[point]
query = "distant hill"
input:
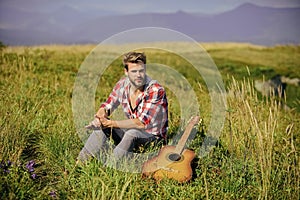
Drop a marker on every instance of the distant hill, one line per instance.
(246, 23)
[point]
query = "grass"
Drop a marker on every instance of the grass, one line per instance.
(257, 156)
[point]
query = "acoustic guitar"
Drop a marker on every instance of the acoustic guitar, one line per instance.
(173, 162)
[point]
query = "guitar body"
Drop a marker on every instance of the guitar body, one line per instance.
(168, 164)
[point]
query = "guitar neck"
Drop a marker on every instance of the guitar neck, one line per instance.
(181, 144)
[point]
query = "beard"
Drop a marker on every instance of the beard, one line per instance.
(138, 82)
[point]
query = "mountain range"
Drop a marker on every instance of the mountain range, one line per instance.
(246, 23)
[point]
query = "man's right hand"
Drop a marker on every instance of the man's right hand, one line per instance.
(95, 124)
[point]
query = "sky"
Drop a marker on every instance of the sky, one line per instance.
(140, 6)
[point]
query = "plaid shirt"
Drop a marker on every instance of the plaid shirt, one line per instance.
(151, 105)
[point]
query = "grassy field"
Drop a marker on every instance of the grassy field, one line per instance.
(257, 156)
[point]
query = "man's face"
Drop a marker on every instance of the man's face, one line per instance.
(136, 74)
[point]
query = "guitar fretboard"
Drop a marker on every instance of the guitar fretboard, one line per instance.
(180, 146)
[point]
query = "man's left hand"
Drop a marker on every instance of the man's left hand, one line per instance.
(106, 122)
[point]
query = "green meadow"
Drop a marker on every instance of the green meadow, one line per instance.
(256, 157)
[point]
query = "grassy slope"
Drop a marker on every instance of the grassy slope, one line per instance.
(257, 156)
(263, 63)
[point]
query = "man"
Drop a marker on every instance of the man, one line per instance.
(145, 105)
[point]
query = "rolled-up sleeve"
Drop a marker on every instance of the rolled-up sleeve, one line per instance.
(113, 100)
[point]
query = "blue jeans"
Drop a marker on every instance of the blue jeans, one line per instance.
(125, 141)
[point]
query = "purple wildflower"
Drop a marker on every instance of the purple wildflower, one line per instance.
(31, 169)
(30, 166)
(52, 194)
(33, 176)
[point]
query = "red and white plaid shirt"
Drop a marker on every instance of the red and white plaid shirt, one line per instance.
(151, 105)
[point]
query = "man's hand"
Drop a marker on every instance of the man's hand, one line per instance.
(102, 121)
(105, 121)
(102, 113)
(95, 124)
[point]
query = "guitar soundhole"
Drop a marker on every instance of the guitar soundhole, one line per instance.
(174, 157)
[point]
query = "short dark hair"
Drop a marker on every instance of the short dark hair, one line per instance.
(133, 57)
